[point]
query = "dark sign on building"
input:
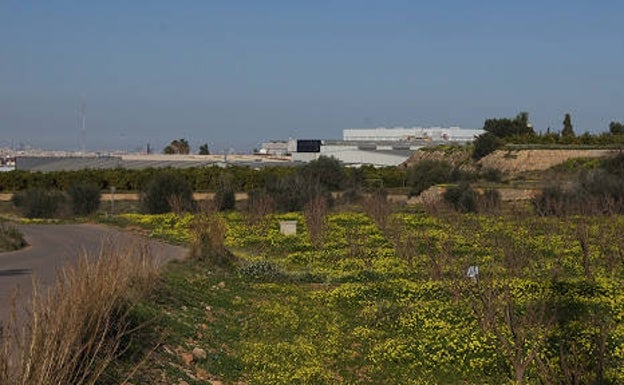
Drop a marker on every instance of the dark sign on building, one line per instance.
(308, 145)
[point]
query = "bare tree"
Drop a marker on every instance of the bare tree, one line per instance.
(405, 241)
(583, 238)
(378, 208)
(259, 205)
(315, 212)
(519, 330)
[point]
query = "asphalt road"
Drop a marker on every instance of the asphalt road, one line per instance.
(53, 246)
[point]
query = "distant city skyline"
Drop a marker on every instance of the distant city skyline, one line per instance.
(236, 74)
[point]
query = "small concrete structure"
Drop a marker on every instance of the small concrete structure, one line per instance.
(288, 227)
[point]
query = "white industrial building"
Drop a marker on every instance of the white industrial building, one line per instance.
(357, 154)
(378, 146)
(402, 134)
(276, 148)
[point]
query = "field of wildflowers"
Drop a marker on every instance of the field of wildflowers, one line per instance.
(394, 305)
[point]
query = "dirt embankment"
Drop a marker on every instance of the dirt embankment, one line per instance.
(514, 162)
(456, 156)
(510, 162)
(106, 197)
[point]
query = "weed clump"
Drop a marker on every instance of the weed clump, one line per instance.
(10, 238)
(208, 240)
(262, 271)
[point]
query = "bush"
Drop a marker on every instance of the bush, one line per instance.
(614, 165)
(163, 189)
(492, 175)
(463, 198)
(292, 192)
(459, 175)
(427, 173)
(551, 201)
(225, 198)
(326, 172)
(491, 200)
(38, 203)
(594, 193)
(486, 144)
(84, 199)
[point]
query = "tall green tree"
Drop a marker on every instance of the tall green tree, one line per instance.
(177, 146)
(506, 127)
(204, 150)
(567, 126)
(427, 173)
(498, 130)
(616, 128)
(486, 144)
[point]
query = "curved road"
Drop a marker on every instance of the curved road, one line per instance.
(53, 246)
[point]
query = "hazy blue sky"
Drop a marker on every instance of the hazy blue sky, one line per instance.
(234, 73)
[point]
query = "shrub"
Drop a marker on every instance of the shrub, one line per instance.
(38, 203)
(324, 171)
(225, 198)
(292, 192)
(84, 198)
(594, 192)
(553, 200)
(427, 173)
(492, 175)
(462, 198)
(490, 200)
(163, 189)
(604, 189)
(614, 165)
(486, 144)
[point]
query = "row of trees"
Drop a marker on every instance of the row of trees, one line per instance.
(519, 130)
(242, 178)
(181, 146)
(169, 191)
